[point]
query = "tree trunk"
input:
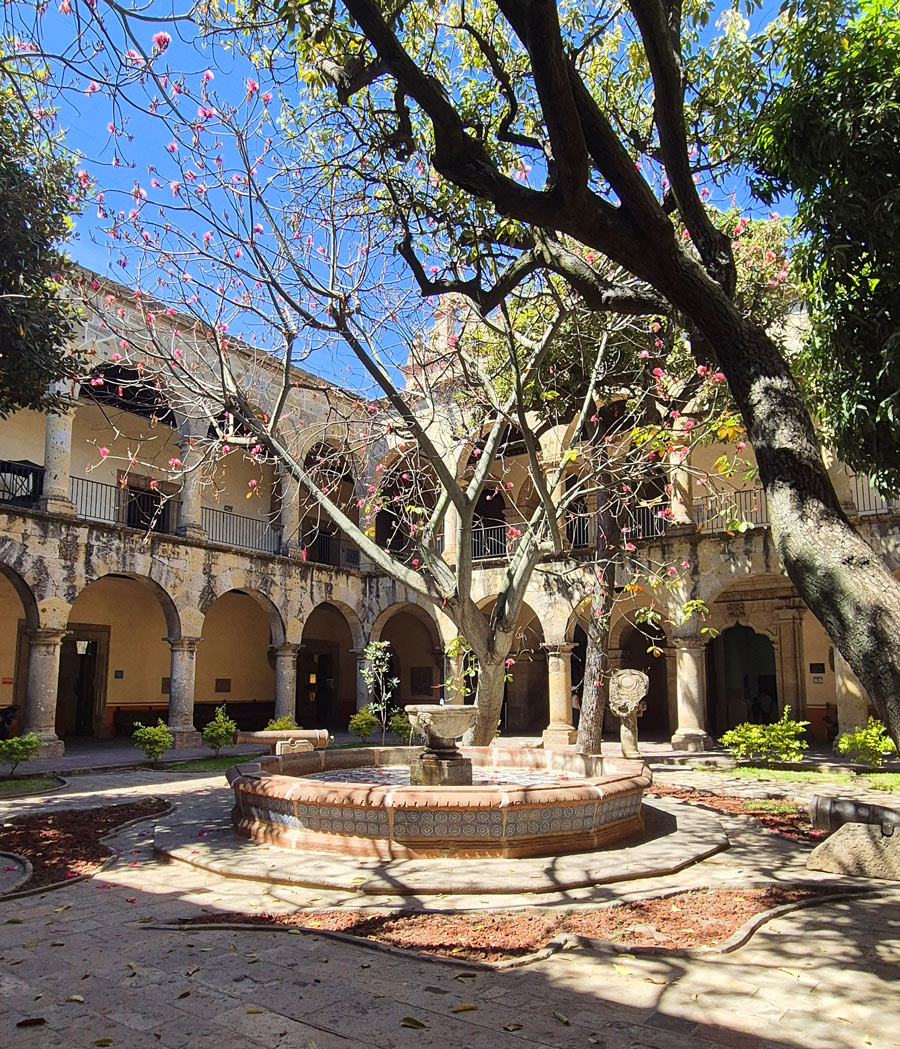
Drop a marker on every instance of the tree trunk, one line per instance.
(595, 694)
(848, 587)
(489, 700)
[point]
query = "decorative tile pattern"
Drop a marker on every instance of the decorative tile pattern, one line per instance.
(448, 823)
(522, 823)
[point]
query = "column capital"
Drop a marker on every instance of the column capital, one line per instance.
(689, 642)
(285, 650)
(789, 613)
(558, 648)
(183, 644)
(46, 635)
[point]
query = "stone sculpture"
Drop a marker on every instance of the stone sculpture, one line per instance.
(627, 689)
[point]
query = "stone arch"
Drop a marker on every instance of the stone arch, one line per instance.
(165, 600)
(742, 672)
(270, 610)
(25, 595)
(327, 665)
(416, 651)
(526, 697)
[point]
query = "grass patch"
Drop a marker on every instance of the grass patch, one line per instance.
(22, 784)
(211, 764)
(779, 808)
(887, 781)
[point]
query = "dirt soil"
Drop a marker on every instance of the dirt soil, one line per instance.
(67, 844)
(793, 823)
(694, 918)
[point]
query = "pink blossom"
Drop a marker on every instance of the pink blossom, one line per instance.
(207, 76)
(252, 87)
(510, 662)
(174, 463)
(718, 377)
(658, 372)
(251, 483)
(161, 41)
(104, 452)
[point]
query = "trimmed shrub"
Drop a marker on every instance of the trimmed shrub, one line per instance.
(868, 745)
(18, 749)
(281, 724)
(220, 731)
(153, 740)
(401, 727)
(782, 740)
(363, 724)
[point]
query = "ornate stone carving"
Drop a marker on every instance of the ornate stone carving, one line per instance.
(627, 689)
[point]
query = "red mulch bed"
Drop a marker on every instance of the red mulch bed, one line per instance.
(792, 824)
(66, 844)
(694, 918)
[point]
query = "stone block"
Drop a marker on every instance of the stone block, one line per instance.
(859, 850)
(430, 771)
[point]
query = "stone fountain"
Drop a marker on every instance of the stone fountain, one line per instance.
(440, 764)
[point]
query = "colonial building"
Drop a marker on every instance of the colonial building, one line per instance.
(124, 597)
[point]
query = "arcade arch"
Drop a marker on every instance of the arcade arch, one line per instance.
(417, 659)
(326, 669)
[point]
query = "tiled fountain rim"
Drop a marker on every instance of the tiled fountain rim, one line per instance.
(284, 776)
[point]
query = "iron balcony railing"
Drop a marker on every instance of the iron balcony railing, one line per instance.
(21, 483)
(490, 541)
(247, 533)
(725, 511)
(870, 501)
(134, 507)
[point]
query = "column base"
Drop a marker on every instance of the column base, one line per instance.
(192, 531)
(559, 735)
(693, 741)
(185, 738)
(51, 746)
(53, 505)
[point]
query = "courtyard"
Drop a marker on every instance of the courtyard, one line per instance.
(101, 961)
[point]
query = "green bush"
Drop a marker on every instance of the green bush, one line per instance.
(868, 745)
(220, 731)
(18, 749)
(281, 724)
(782, 740)
(363, 723)
(153, 740)
(400, 725)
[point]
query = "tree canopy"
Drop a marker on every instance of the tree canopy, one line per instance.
(39, 191)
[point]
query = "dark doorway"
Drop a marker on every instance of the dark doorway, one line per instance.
(317, 705)
(82, 682)
(741, 682)
(639, 647)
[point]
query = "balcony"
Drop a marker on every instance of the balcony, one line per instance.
(869, 501)
(20, 483)
(247, 533)
(142, 508)
(725, 511)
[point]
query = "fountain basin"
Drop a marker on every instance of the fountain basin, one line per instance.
(276, 802)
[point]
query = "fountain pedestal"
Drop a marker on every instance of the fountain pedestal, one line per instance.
(440, 764)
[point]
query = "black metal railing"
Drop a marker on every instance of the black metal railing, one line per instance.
(726, 511)
(869, 501)
(248, 533)
(94, 500)
(490, 541)
(21, 483)
(578, 531)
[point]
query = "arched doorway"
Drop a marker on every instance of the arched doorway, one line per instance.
(114, 662)
(526, 699)
(326, 671)
(415, 646)
(741, 681)
(636, 643)
(18, 613)
(242, 675)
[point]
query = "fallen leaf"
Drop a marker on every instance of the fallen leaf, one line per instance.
(465, 976)
(13, 921)
(411, 1021)
(100, 1042)
(465, 1007)
(512, 1027)
(254, 1012)
(184, 994)
(621, 970)
(64, 907)
(75, 998)
(562, 1019)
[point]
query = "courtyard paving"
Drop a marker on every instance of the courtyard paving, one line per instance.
(91, 962)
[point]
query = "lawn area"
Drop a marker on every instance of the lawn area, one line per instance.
(211, 764)
(875, 780)
(10, 785)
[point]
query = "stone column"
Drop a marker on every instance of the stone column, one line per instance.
(58, 458)
(289, 515)
(285, 680)
(681, 500)
(45, 644)
(560, 731)
(852, 698)
(789, 661)
(362, 689)
(690, 668)
(181, 691)
(190, 516)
